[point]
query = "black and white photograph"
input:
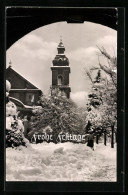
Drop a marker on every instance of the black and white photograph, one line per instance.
(61, 96)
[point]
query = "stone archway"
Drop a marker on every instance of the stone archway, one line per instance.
(21, 21)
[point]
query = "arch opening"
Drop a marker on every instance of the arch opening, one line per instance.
(60, 80)
(37, 50)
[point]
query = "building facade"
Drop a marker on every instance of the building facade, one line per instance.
(21, 89)
(60, 71)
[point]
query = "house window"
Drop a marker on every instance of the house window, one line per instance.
(30, 98)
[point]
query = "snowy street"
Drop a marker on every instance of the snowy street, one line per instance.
(61, 162)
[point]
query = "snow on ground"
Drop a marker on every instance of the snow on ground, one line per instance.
(61, 162)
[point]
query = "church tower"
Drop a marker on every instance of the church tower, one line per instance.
(61, 70)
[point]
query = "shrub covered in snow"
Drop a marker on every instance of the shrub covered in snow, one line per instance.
(60, 114)
(14, 126)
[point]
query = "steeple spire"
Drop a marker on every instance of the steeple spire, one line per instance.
(10, 64)
(61, 38)
(61, 59)
(61, 48)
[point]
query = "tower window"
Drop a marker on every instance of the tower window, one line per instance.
(60, 80)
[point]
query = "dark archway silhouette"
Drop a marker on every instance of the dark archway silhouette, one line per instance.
(21, 21)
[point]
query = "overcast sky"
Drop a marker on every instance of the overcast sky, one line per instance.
(32, 55)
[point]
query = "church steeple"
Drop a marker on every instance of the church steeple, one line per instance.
(61, 48)
(61, 70)
(60, 59)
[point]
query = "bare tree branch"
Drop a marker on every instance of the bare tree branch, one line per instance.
(110, 72)
(89, 75)
(104, 52)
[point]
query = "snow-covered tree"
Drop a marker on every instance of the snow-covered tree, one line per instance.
(109, 95)
(93, 119)
(59, 113)
(102, 104)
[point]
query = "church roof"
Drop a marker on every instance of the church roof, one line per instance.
(10, 69)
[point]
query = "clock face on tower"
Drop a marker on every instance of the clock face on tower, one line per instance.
(61, 70)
